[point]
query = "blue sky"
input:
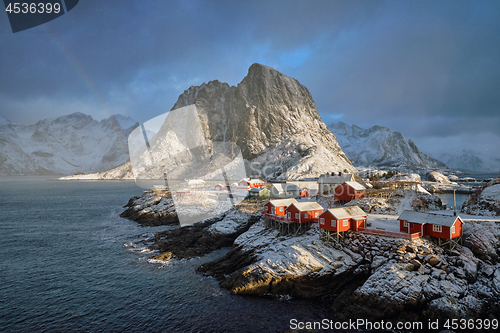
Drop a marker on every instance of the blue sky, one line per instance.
(428, 69)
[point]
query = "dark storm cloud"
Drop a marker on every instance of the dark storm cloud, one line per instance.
(416, 61)
(422, 68)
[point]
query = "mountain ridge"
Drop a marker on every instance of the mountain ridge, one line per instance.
(67, 144)
(378, 146)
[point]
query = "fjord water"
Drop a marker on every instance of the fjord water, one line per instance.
(67, 265)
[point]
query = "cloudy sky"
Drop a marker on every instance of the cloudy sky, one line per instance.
(428, 69)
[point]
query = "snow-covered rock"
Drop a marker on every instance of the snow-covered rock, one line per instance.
(380, 147)
(437, 177)
(485, 202)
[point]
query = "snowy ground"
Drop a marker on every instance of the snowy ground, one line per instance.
(383, 222)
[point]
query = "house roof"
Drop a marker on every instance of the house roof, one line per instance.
(347, 212)
(282, 202)
(283, 187)
(355, 185)
(308, 205)
(304, 184)
(422, 218)
(258, 189)
(347, 177)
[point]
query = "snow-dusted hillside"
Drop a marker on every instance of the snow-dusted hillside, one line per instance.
(380, 147)
(485, 202)
(271, 117)
(471, 161)
(65, 145)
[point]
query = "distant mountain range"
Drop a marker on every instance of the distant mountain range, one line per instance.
(380, 147)
(471, 161)
(64, 145)
(270, 116)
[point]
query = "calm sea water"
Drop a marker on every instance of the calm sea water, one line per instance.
(67, 266)
(447, 198)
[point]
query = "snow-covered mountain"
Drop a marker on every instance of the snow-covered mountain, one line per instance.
(273, 120)
(4, 121)
(64, 145)
(379, 147)
(471, 161)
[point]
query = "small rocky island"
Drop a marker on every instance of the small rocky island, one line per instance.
(365, 276)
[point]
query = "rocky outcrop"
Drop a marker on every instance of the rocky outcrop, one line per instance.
(367, 277)
(437, 177)
(201, 238)
(153, 208)
(485, 201)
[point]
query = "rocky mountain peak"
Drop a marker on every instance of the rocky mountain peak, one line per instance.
(266, 110)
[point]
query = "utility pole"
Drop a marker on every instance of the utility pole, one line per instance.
(454, 204)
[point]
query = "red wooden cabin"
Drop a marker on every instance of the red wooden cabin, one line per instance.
(304, 212)
(349, 191)
(221, 187)
(250, 183)
(182, 193)
(343, 219)
(278, 206)
(428, 224)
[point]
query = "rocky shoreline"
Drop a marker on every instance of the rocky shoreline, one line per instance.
(367, 276)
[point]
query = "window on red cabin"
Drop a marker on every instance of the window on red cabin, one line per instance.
(289, 215)
(334, 223)
(316, 214)
(453, 229)
(436, 228)
(405, 224)
(297, 215)
(306, 216)
(322, 220)
(267, 208)
(345, 223)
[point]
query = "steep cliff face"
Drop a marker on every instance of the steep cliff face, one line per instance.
(378, 146)
(274, 121)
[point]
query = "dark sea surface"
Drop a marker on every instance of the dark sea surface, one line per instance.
(447, 198)
(68, 264)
